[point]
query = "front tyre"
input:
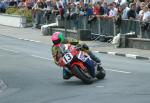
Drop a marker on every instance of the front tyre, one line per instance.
(87, 79)
(101, 73)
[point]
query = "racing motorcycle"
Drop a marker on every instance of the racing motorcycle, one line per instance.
(80, 64)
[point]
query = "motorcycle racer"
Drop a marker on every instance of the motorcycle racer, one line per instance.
(58, 39)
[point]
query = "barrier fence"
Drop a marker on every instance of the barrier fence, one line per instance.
(107, 27)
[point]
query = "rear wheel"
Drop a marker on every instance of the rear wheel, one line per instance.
(85, 77)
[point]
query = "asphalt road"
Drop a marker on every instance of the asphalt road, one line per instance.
(30, 76)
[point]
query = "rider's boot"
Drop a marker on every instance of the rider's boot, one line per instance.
(66, 74)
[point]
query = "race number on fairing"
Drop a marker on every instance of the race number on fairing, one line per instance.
(67, 58)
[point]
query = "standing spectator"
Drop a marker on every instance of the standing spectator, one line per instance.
(101, 11)
(28, 4)
(54, 8)
(21, 4)
(72, 11)
(38, 8)
(125, 11)
(146, 20)
(141, 12)
(6, 3)
(13, 3)
(106, 9)
(90, 10)
(2, 7)
(60, 7)
(96, 9)
(59, 3)
(113, 11)
(132, 12)
(146, 14)
(119, 19)
(138, 7)
(48, 11)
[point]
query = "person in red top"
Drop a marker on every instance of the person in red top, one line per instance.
(96, 9)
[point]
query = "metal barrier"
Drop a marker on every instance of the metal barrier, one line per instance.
(107, 27)
(140, 29)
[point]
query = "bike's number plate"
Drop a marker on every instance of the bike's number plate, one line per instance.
(67, 58)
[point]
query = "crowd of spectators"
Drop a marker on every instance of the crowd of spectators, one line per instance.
(119, 9)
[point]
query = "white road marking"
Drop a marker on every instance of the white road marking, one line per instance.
(112, 53)
(99, 86)
(29, 40)
(10, 50)
(20, 38)
(131, 56)
(118, 71)
(96, 51)
(36, 56)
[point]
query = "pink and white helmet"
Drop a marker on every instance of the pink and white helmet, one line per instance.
(57, 38)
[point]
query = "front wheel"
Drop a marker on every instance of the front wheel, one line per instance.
(85, 77)
(101, 73)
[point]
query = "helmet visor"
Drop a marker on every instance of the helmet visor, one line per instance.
(56, 42)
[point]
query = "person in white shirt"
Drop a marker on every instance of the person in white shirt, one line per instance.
(146, 15)
(113, 11)
(125, 11)
(146, 20)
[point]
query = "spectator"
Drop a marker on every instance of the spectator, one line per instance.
(60, 7)
(118, 19)
(142, 5)
(21, 4)
(28, 4)
(72, 12)
(101, 8)
(106, 9)
(85, 8)
(59, 3)
(48, 11)
(2, 7)
(90, 10)
(125, 11)
(146, 14)
(113, 11)
(13, 3)
(38, 8)
(132, 12)
(6, 3)
(146, 18)
(138, 6)
(54, 8)
(78, 8)
(96, 9)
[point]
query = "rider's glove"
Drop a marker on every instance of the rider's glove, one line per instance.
(85, 46)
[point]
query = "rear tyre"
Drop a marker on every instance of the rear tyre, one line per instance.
(85, 77)
(101, 73)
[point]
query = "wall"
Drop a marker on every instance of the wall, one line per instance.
(139, 43)
(15, 21)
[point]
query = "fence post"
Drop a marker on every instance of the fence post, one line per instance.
(99, 27)
(140, 30)
(84, 22)
(114, 27)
